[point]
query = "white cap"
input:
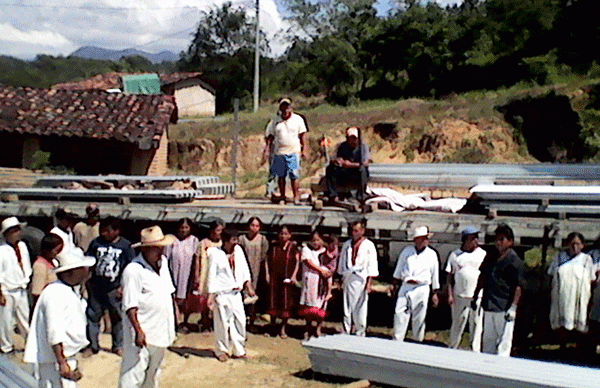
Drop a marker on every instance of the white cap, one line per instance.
(352, 131)
(11, 222)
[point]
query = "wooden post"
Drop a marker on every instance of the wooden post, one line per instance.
(234, 151)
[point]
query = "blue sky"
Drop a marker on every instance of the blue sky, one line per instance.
(59, 27)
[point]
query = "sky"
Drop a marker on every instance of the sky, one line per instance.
(59, 27)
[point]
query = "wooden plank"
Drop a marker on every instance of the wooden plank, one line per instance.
(409, 365)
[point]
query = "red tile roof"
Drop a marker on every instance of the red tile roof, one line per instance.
(140, 119)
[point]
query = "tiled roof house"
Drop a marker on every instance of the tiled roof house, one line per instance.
(194, 94)
(90, 131)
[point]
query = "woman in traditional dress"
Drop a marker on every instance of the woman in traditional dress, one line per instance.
(572, 274)
(201, 274)
(280, 274)
(255, 246)
(315, 285)
(182, 256)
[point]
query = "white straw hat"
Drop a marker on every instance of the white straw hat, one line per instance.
(154, 237)
(71, 259)
(11, 222)
(421, 231)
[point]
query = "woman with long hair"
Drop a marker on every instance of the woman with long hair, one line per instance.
(215, 228)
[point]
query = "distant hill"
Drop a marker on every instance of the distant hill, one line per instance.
(93, 52)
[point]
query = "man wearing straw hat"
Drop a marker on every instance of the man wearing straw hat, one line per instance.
(15, 274)
(58, 323)
(149, 326)
(417, 269)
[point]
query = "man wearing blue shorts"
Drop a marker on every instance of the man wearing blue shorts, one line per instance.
(286, 137)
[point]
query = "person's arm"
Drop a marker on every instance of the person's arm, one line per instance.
(294, 276)
(478, 288)
(450, 287)
(140, 336)
(64, 369)
(304, 142)
(249, 288)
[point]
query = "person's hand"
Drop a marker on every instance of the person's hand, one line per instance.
(368, 288)
(435, 299)
(450, 299)
(250, 291)
(511, 313)
(64, 370)
(2, 300)
(140, 338)
(267, 279)
(265, 156)
(474, 304)
(119, 293)
(210, 302)
(325, 272)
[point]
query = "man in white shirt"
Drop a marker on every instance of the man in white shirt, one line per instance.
(286, 138)
(15, 274)
(149, 322)
(357, 266)
(84, 232)
(463, 271)
(58, 324)
(228, 275)
(65, 219)
(417, 269)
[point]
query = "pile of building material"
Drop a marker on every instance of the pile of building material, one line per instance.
(14, 377)
(404, 364)
(123, 188)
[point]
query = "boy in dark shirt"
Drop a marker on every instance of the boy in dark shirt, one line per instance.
(501, 279)
(112, 253)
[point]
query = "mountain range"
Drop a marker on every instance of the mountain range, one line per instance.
(93, 52)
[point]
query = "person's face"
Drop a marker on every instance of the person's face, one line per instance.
(215, 234)
(471, 243)
(284, 235)
(13, 235)
(230, 244)
(286, 111)
(254, 227)
(503, 243)
(357, 232)
(421, 242)
(353, 141)
(80, 275)
(184, 230)
(316, 241)
(575, 246)
(109, 234)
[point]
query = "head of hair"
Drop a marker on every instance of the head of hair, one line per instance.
(505, 230)
(49, 242)
(215, 224)
(574, 235)
(110, 222)
(254, 218)
(182, 221)
(227, 235)
(361, 222)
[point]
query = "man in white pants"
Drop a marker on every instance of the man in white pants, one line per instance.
(15, 274)
(357, 266)
(149, 322)
(228, 274)
(417, 269)
(463, 271)
(58, 324)
(502, 281)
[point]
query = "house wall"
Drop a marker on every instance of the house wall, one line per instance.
(193, 100)
(153, 161)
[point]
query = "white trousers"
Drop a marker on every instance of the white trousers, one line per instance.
(17, 306)
(229, 324)
(49, 377)
(355, 300)
(497, 333)
(140, 367)
(461, 312)
(411, 303)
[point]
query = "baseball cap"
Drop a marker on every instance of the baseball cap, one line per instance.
(352, 131)
(469, 230)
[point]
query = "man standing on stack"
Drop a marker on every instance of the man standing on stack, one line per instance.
(287, 135)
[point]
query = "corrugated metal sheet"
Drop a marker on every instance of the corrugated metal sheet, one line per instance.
(11, 376)
(141, 84)
(405, 364)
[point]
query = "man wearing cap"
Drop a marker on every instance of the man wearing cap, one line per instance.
(65, 219)
(84, 232)
(417, 269)
(462, 271)
(15, 274)
(286, 134)
(357, 266)
(149, 323)
(349, 167)
(58, 324)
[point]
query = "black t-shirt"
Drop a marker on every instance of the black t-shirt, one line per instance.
(111, 259)
(501, 278)
(346, 152)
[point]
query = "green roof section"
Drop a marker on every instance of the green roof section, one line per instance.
(141, 84)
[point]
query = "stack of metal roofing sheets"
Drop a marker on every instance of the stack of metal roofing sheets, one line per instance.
(405, 364)
(11, 376)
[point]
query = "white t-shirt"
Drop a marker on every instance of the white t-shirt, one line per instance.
(220, 276)
(465, 268)
(68, 242)
(286, 140)
(366, 260)
(151, 293)
(12, 276)
(58, 318)
(422, 268)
